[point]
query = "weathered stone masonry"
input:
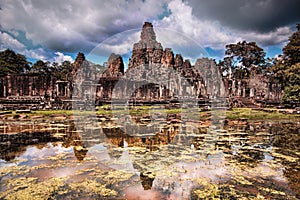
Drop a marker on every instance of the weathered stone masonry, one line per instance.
(204, 80)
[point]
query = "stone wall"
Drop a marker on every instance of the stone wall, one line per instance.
(27, 85)
(258, 87)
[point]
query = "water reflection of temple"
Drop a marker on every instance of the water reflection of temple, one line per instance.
(14, 145)
(245, 143)
(16, 139)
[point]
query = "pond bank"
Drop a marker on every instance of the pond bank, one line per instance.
(235, 113)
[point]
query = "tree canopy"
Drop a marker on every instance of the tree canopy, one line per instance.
(58, 71)
(287, 68)
(40, 67)
(12, 63)
(61, 71)
(292, 49)
(241, 57)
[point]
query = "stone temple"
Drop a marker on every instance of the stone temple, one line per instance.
(154, 74)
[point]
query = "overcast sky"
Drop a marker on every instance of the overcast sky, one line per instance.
(56, 30)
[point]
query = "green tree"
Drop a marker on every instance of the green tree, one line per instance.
(241, 57)
(292, 49)
(40, 67)
(286, 70)
(61, 71)
(226, 66)
(12, 63)
(292, 83)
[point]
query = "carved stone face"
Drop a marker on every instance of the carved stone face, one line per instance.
(178, 60)
(157, 54)
(168, 57)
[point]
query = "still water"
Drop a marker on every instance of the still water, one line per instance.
(92, 157)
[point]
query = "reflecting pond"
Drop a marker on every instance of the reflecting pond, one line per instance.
(92, 157)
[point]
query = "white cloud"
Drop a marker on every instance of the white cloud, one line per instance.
(72, 26)
(121, 43)
(76, 25)
(210, 33)
(60, 57)
(206, 33)
(278, 36)
(8, 41)
(39, 54)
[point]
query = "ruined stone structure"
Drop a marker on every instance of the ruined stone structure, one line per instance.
(115, 66)
(147, 50)
(27, 85)
(153, 74)
(257, 87)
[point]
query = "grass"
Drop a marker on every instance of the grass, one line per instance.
(234, 114)
(51, 112)
(251, 114)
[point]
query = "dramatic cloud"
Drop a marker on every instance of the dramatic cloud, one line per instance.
(8, 41)
(37, 54)
(205, 32)
(119, 44)
(210, 33)
(75, 25)
(278, 36)
(71, 26)
(253, 15)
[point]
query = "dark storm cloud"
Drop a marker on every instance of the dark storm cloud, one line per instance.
(72, 25)
(255, 15)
